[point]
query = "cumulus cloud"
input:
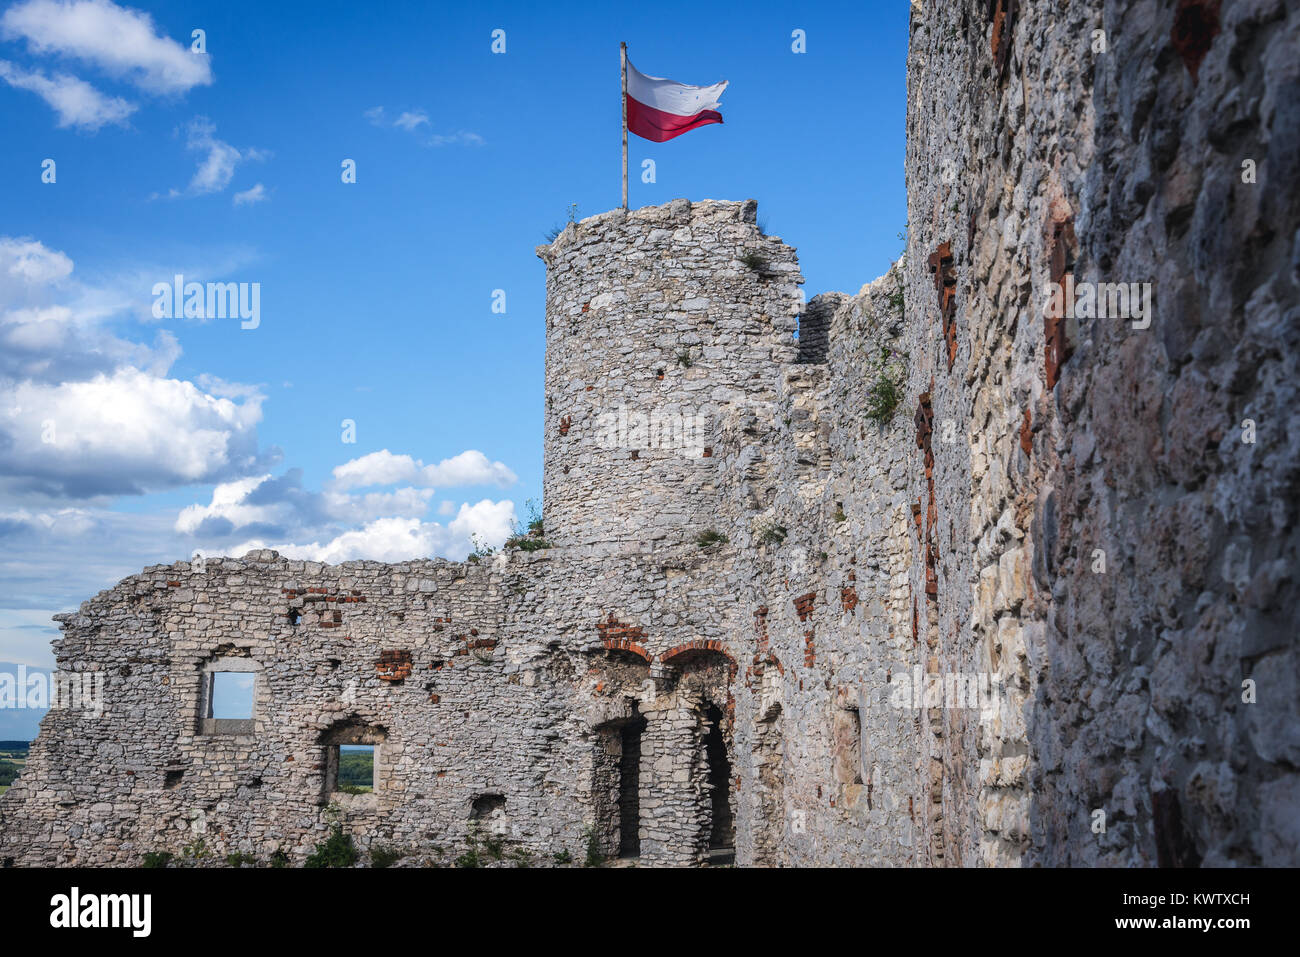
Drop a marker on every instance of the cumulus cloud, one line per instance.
(400, 539)
(470, 467)
(28, 262)
(128, 432)
(85, 413)
(279, 506)
(77, 104)
(118, 40)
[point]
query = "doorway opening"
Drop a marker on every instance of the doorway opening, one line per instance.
(629, 788)
(722, 828)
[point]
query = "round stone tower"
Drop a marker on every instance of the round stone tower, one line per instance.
(659, 322)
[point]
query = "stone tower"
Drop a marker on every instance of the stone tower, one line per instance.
(658, 322)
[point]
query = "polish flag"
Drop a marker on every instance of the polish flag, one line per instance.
(659, 109)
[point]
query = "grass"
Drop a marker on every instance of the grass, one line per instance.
(897, 300)
(553, 233)
(710, 537)
(529, 537)
(384, 856)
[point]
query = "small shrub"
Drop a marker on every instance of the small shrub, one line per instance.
(710, 537)
(471, 856)
(840, 516)
(195, 851)
(521, 857)
(772, 534)
(384, 856)
(495, 847)
(755, 261)
(279, 859)
(886, 390)
(594, 857)
(240, 859)
(337, 851)
(157, 859)
(563, 858)
(684, 359)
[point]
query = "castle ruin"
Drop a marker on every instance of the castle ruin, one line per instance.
(931, 582)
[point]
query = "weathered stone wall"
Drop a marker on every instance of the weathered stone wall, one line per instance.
(1080, 532)
(657, 321)
(1129, 559)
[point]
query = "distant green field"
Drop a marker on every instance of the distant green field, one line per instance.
(13, 755)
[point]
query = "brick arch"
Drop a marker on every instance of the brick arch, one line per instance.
(697, 646)
(628, 646)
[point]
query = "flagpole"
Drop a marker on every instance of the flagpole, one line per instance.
(622, 49)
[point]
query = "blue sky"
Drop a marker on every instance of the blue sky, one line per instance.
(175, 435)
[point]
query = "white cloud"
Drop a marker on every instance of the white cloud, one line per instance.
(121, 41)
(30, 262)
(470, 467)
(77, 103)
(127, 432)
(281, 506)
(400, 539)
(217, 168)
(85, 413)
(460, 138)
(412, 120)
(446, 507)
(256, 194)
(409, 121)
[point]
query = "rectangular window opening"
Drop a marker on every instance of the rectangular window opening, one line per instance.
(356, 768)
(231, 695)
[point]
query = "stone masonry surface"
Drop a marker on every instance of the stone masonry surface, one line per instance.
(929, 575)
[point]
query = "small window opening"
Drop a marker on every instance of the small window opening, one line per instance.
(232, 695)
(356, 765)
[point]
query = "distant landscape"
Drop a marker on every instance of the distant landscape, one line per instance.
(13, 755)
(356, 770)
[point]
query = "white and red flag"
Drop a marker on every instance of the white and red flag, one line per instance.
(659, 109)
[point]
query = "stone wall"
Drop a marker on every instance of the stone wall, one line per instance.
(656, 321)
(959, 576)
(1130, 547)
